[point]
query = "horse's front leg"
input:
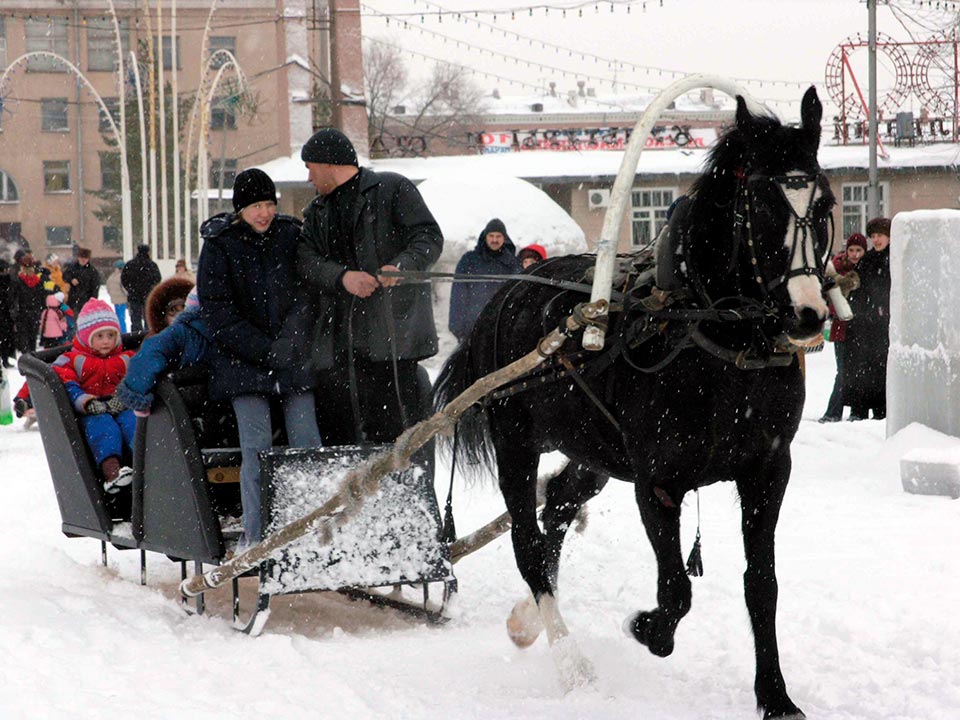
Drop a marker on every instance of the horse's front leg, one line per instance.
(661, 520)
(518, 482)
(760, 507)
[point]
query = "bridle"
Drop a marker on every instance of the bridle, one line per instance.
(804, 228)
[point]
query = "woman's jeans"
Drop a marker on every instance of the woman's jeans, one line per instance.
(256, 434)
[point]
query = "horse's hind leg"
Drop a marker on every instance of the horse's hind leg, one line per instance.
(518, 476)
(760, 508)
(661, 520)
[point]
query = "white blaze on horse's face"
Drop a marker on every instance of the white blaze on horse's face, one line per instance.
(805, 291)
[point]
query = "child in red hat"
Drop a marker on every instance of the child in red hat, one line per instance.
(531, 255)
(91, 372)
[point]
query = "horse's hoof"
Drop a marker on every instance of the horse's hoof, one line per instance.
(643, 627)
(524, 624)
(574, 668)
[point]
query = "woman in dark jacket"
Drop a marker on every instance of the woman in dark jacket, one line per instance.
(249, 299)
(868, 334)
(495, 254)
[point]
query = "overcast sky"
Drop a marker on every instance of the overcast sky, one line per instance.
(762, 42)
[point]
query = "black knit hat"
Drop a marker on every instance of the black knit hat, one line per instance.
(253, 186)
(329, 146)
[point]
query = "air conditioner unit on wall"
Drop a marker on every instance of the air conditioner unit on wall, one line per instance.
(598, 198)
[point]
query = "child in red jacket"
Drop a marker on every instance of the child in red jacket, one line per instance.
(91, 372)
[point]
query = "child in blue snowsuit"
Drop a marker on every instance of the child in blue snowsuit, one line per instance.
(185, 342)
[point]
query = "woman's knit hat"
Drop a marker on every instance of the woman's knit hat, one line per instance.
(253, 186)
(857, 239)
(96, 315)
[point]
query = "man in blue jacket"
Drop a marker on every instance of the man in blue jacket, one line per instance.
(495, 254)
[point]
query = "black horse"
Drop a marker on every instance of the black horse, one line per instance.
(695, 386)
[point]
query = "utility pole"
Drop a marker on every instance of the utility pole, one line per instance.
(873, 199)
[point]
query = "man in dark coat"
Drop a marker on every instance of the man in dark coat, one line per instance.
(7, 345)
(495, 254)
(868, 333)
(370, 329)
(138, 277)
(84, 281)
(27, 300)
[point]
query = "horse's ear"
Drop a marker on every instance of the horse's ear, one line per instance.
(811, 112)
(743, 115)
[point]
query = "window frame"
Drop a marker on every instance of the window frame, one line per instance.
(165, 52)
(6, 183)
(48, 175)
(653, 216)
(55, 39)
(854, 212)
(3, 41)
(113, 105)
(220, 41)
(100, 39)
(50, 234)
(52, 109)
(230, 165)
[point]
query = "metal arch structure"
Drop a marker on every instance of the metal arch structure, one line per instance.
(939, 54)
(850, 99)
(594, 336)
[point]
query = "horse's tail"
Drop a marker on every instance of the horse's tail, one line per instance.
(474, 450)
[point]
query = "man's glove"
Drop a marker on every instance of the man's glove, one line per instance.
(280, 356)
(95, 407)
(115, 405)
(20, 407)
(848, 283)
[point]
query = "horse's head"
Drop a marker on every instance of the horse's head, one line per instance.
(783, 209)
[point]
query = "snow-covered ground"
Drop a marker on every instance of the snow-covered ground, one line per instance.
(868, 618)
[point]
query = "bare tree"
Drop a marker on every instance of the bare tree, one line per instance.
(443, 107)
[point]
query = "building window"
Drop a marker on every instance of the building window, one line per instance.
(222, 116)
(221, 42)
(8, 190)
(113, 105)
(56, 176)
(649, 213)
(229, 173)
(109, 171)
(49, 35)
(59, 236)
(53, 115)
(111, 237)
(101, 43)
(854, 206)
(3, 42)
(167, 43)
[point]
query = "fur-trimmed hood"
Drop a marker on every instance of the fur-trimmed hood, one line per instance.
(158, 299)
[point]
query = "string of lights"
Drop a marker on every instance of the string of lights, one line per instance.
(613, 65)
(84, 22)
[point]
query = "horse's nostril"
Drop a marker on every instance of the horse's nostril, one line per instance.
(808, 317)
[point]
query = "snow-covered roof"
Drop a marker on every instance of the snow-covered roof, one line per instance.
(545, 164)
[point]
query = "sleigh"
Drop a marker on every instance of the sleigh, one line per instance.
(185, 491)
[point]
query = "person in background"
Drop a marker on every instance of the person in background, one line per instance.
(8, 346)
(258, 322)
(28, 301)
(54, 281)
(844, 263)
(495, 254)
(531, 255)
(83, 279)
(68, 316)
(53, 323)
(165, 302)
(182, 271)
(868, 333)
(91, 371)
(118, 296)
(139, 276)
(372, 331)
